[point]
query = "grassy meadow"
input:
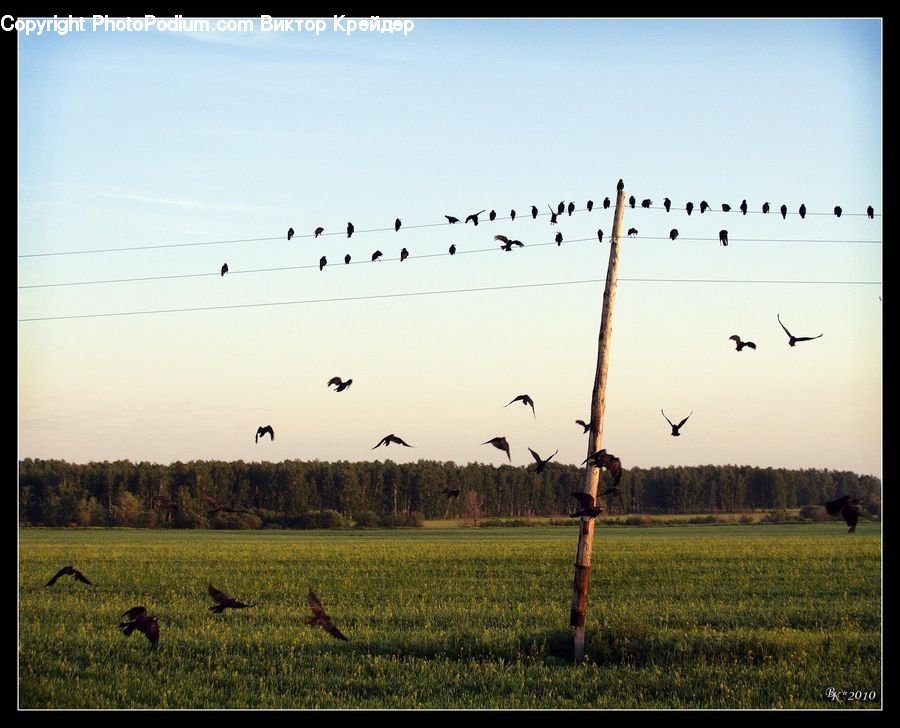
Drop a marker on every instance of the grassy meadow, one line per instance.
(678, 617)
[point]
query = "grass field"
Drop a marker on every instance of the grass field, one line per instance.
(678, 617)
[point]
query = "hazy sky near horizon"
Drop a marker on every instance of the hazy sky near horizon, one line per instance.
(131, 139)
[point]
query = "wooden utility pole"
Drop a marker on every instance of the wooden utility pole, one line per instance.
(595, 436)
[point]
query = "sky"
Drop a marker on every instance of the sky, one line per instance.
(177, 141)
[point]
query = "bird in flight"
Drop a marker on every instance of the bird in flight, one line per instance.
(322, 262)
(170, 507)
(452, 250)
(262, 431)
(376, 255)
(704, 206)
(599, 235)
(526, 400)
(590, 205)
(802, 212)
(632, 231)
(765, 208)
(512, 215)
(388, 439)
(585, 425)
(451, 493)
(675, 428)
(837, 211)
(397, 224)
(792, 340)
(321, 619)
(500, 443)
(350, 229)
(571, 208)
(723, 237)
(620, 186)
(605, 203)
(784, 212)
(347, 259)
(290, 233)
(224, 269)
(667, 203)
(744, 207)
(689, 207)
(673, 233)
(216, 506)
(602, 459)
(67, 571)
(552, 216)
(870, 211)
(404, 254)
(726, 207)
(558, 239)
(340, 385)
(224, 601)
(738, 344)
(507, 243)
(541, 464)
(632, 201)
(847, 508)
(534, 212)
(646, 203)
(318, 231)
(451, 219)
(474, 218)
(587, 508)
(492, 216)
(142, 622)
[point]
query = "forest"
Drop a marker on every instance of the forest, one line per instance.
(310, 494)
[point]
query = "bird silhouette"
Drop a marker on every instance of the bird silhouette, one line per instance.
(560, 208)
(388, 439)
(512, 215)
(224, 601)
(590, 205)
(541, 464)
(632, 201)
(585, 425)
(726, 207)
(404, 254)
(376, 255)
(474, 218)
(534, 212)
(321, 619)
(738, 344)
(704, 206)
(620, 186)
(452, 250)
(451, 493)
(262, 431)
(599, 235)
(571, 208)
(632, 231)
(451, 219)
(605, 203)
(397, 225)
(802, 212)
(347, 259)
(218, 507)
(602, 459)
(290, 233)
(558, 238)
(667, 203)
(646, 203)
(847, 507)
(723, 237)
(587, 507)
(837, 211)
(350, 229)
(553, 216)
(870, 211)
(744, 207)
(526, 400)
(492, 216)
(792, 340)
(67, 571)
(689, 207)
(224, 269)
(318, 231)
(507, 243)
(784, 212)
(322, 262)
(675, 428)
(673, 233)
(339, 385)
(500, 443)
(142, 622)
(765, 208)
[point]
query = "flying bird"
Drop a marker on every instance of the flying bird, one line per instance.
(290, 233)
(560, 208)
(784, 212)
(170, 507)
(534, 212)
(792, 340)
(347, 259)
(318, 231)
(632, 201)
(632, 231)
(388, 439)
(599, 235)
(322, 262)
(507, 243)
(837, 211)
(474, 218)
(587, 508)
(512, 215)
(452, 250)
(500, 443)
(404, 254)
(726, 207)
(218, 507)
(689, 207)
(667, 203)
(263, 431)
(558, 238)
(673, 233)
(320, 619)
(738, 344)
(675, 428)
(526, 400)
(340, 385)
(765, 208)
(493, 215)
(376, 255)
(620, 186)
(224, 269)
(451, 219)
(585, 425)
(142, 622)
(723, 237)
(590, 205)
(602, 459)
(553, 216)
(66, 571)
(847, 507)
(350, 229)
(571, 208)
(224, 601)
(744, 207)
(646, 203)
(802, 212)
(605, 203)
(704, 206)
(397, 225)
(870, 211)
(541, 464)
(451, 493)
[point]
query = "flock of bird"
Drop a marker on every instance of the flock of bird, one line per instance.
(140, 620)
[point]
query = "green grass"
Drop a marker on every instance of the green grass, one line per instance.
(678, 617)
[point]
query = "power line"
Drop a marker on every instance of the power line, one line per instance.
(434, 293)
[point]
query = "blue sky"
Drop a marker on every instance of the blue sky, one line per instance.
(137, 139)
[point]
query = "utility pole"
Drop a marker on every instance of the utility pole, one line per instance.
(595, 436)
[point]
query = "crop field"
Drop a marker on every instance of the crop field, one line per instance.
(678, 617)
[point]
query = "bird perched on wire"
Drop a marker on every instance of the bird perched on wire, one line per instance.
(599, 235)
(526, 400)
(605, 203)
(318, 231)
(512, 215)
(646, 203)
(339, 385)
(224, 601)
(689, 206)
(571, 208)
(452, 250)
(765, 208)
(744, 207)
(404, 254)
(704, 206)
(452, 220)
(870, 211)
(290, 233)
(620, 186)
(534, 212)
(784, 212)
(558, 239)
(673, 233)
(560, 208)
(322, 262)
(263, 431)
(632, 231)
(587, 507)
(723, 237)
(224, 269)
(347, 259)
(792, 340)
(69, 571)
(142, 622)
(474, 218)
(837, 211)
(541, 464)
(726, 207)
(552, 216)
(397, 225)
(500, 443)
(590, 205)
(847, 508)
(802, 212)
(667, 203)
(388, 439)
(585, 425)
(676, 428)
(350, 229)
(738, 344)
(632, 201)
(321, 619)
(507, 243)
(492, 215)
(376, 255)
